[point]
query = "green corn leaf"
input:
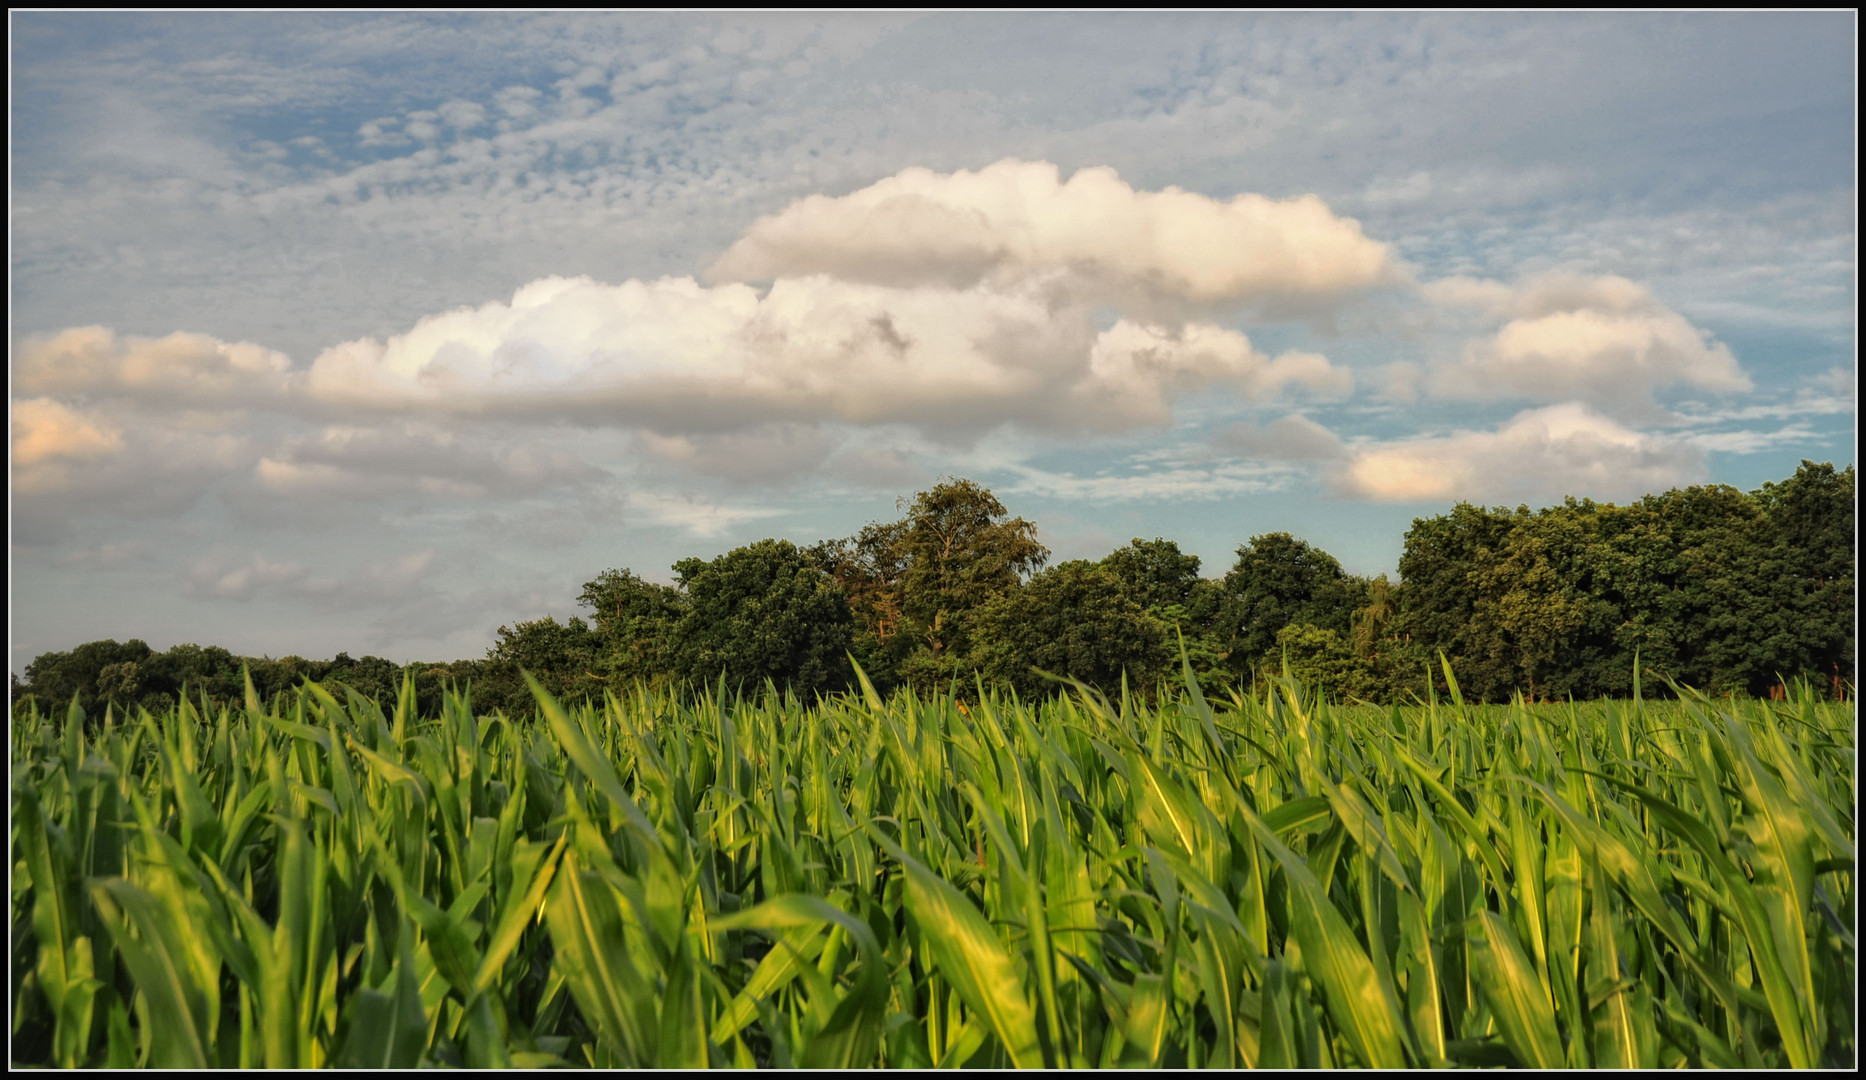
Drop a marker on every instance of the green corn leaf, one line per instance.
(1354, 995)
(1510, 985)
(970, 956)
(152, 950)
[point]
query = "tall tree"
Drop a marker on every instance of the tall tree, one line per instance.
(1075, 619)
(764, 611)
(1154, 573)
(916, 585)
(961, 548)
(634, 622)
(1812, 518)
(1280, 581)
(1441, 597)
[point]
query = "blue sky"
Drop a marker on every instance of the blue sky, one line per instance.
(375, 332)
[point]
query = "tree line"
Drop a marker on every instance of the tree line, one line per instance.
(1716, 588)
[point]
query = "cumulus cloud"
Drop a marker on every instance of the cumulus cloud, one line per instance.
(46, 431)
(678, 358)
(180, 369)
(1017, 219)
(1134, 369)
(1604, 340)
(71, 460)
(1566, 449)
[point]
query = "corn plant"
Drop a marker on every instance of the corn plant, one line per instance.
(658, 880)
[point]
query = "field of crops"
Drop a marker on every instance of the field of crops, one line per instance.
(320, 880)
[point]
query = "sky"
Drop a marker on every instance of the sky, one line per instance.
(374, 333)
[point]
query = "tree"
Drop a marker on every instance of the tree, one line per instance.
(1324, 660)
(371, 676)
(1812, 518)
(634, 621)
(1165, 582)
(1154, 573)
(1441, 597)
(765, 611)
(960, 549)
(559, 655)
(916, 585)
(1076, 619)
(1280, 581)
(870, 567)
(55, 678)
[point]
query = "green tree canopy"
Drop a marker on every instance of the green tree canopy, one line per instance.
(961, 549)
(1279, 581)
(1076, 618)
(562, 656)
(916, 585)
(634, 622)
(1154, 573)
(765, 611)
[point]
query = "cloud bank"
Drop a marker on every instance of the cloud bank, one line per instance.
(941, 305)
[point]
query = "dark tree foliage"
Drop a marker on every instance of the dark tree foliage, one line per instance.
(57, 677)
(1710, 586)
(1155, 574)
(962, 549)
(869, 566)
(916, 585)
(1075, 618)
(1815, 531)
(131, 675)
(766, 611)
(633, 620)
(561, 656)
(1280, 581)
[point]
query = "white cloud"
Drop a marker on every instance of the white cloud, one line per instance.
(354, 462)
(701, 517)
(230, 576)
(1604, 340)
(1750, 442)
(1399, 382)
(1134, 369)
(1017, 219)
(1842, 383)
(70, 461)
(180, 369)
(1170, 479)
(1566, 449)
(678, 358)
(46, 431)
(767, 453)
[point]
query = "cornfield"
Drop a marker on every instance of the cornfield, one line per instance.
(658, 880)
